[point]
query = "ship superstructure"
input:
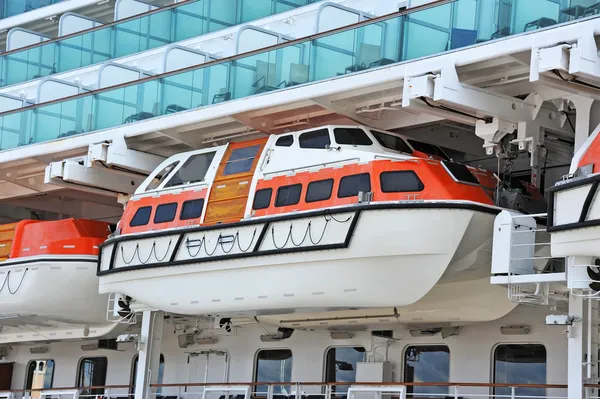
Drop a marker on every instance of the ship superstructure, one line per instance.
(298, 198)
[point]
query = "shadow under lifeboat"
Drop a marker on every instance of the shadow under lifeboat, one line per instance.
(332, 218)
(48, 282)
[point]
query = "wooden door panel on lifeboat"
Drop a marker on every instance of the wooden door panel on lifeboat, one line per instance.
(7, 234)
(231, 187)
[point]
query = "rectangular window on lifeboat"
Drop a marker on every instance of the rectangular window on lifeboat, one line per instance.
(141, 217)
(400, 181)
(165, 212)
(288, 195)
(241, 160)
(193, 170)
(460, 173)
(351, 185)
(192, 209)
(319, 190)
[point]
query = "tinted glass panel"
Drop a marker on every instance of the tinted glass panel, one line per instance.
(520, 364)
(165, 212)
(192, 209)
(351, 185)
(351, 136)
(427, 364)
(429, 149)
(161, 176)
(141, 217)
(460, 173)
(316, 139)
(160, 376)
(241, 160)
(193, 170)
(92, 373)
(40, 374)
(262, 198)
(392, 142)
(319, 190)
(288, 195)
(400, 181)
(273, 365)
(340, 365)
(285, 141)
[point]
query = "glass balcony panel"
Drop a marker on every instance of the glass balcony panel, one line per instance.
(223, 14)
(15, 7)
(190, 20)
(425, 32)
(531, 15)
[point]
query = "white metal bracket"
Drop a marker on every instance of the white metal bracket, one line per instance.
(115, 153)
(492, 132)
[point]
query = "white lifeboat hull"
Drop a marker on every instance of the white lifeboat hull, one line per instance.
(376, 255)
(61, 288)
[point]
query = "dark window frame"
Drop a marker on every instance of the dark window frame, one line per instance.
(97, 391)
(306, 196)
(405, 366)
(330, 372)
(133, 374)
(29, 378)
(256, 361)
(270, 190)
(289, 186)
(163, 206)
(349, 176)
(136, 213)
(186, 164)
(282, 139)
(365, 136)
(239, 161)
(181, 215)
(314, 132)
(519, 391)
(389, 172)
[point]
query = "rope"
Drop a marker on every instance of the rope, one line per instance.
(6, 282)
(308, 232)
(236, 239)
(152, 251)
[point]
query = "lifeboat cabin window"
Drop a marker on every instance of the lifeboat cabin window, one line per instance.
(92, 373)
(520, 364)
(165, 212)
(40, 374)
(285, 141)
(340, 365)
(428, 149)
(161, 176)
(390, 142)
(262, 198)
(316, 139)
(141, 217)
(351, 185)
(193, 170)
(241, 160)
(400, 182)
(319, 190)
(288, 195)
(192, 209)
(159, 377)
(427, 363)
(351, 136)
(460, 173)
(273, 366)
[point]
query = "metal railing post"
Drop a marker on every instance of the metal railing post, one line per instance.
(456, 392)
(512, 392)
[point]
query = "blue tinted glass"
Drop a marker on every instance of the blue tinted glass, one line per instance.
(427, 364)
(192, 209)
(141, 217)
(165, 212)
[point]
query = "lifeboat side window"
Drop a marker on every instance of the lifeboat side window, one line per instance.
(316, 139)
(161, 176)
(400, 181)
(460, 173)
(165, 212)
(288, 195)
(351, 185)
(520, 364)
(351, 136)
(319, 190)
(391, 142)
(428, 149)
(427, 363)
(141, 217)
(262, 199)
(192, 209)
(285, 141)
(193, 170)
(241, 160)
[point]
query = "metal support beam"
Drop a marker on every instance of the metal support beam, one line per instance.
(584, 60)
(530, 136)
(115, 153)
(345, 110)
(575, 357)
(149, 353)
(492, 132)
(583, 106)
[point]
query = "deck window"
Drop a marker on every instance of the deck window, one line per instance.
(193, 170)
(392, 142)
(520, 364)
(288, 195)
(161, 176)
(40, 374)
(241, 160)
(192, 209)
(285, 141)
(340, 365)
(141, 217)
(316, 139)
(273, 366)
(351, 136)
(460, 173)
(319, 190)
(165, 212)
(92, 373)
(262, 198)
(400, 181)
(161, 372)
(427, 363)
(351, 185)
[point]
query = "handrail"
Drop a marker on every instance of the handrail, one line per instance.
(99, 27)
(234, 57)
(415, 384)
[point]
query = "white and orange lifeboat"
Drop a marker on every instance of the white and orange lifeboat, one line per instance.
(48, 282)
(335, 217)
